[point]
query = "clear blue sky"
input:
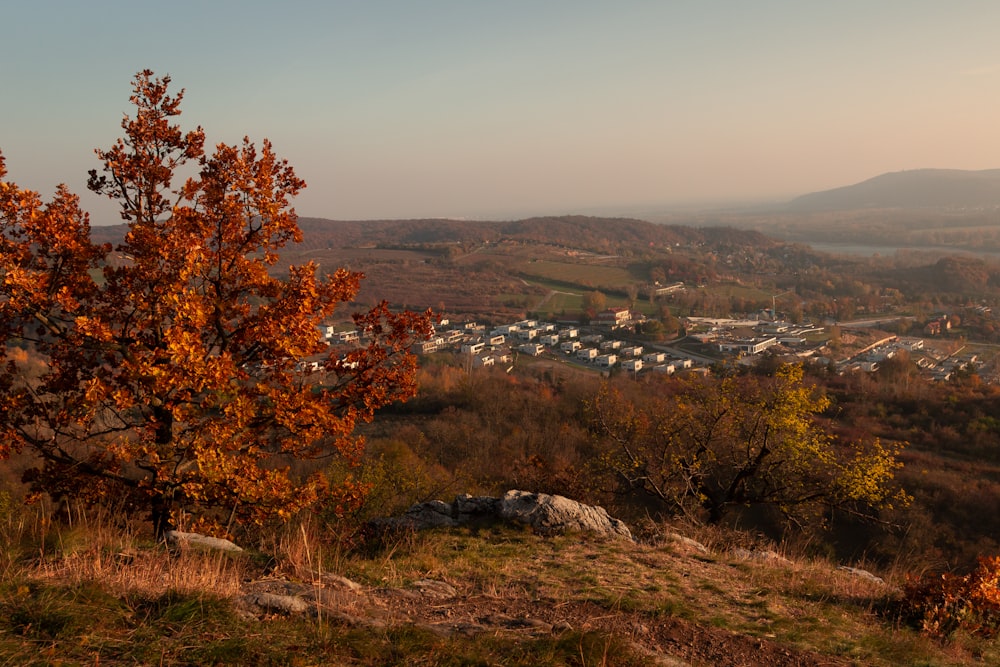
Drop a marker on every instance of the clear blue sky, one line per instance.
(466, 108)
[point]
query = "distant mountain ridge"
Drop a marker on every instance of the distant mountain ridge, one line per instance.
(917, 188)
(594, 233)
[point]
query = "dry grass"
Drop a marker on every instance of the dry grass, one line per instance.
(93, 547)
(102, 581)
(804, 603)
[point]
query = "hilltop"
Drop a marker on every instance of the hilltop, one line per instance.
(917, 188)
(486, 595)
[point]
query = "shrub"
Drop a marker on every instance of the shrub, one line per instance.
(942, 604)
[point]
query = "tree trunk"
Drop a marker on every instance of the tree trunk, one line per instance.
(160, 515)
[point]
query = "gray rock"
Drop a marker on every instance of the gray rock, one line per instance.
(288, 604)
(474, 508)
(688, 542)
(337, 581)
(863, 574)
(176, 538)
(557, 514)
(433, 514)
(433, 588)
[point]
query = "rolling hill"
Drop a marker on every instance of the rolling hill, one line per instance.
(919, 188)
(593, 233)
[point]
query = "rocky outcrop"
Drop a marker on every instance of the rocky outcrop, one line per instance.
(556, 514)
(433, 514)
(545, 513)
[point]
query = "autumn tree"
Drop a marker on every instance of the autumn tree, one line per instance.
(671, 324)
(594, 302)
(172, 362)
(632, 292)
(702, 447)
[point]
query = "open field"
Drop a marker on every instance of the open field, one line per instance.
(585, 275)
(556, 302)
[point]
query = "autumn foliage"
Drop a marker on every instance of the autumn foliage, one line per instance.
(943, 604)
(703, 447)
(171, 373)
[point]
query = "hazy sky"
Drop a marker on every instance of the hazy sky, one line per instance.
(487, 109)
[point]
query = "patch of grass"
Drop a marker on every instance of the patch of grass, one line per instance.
(423, 647)
(711, 587)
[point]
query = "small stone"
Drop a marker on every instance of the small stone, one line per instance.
(337, 581)
(288, 604)
(177, 538)
(688, 542)
(435, 589)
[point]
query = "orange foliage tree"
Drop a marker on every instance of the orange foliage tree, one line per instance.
(172, 375)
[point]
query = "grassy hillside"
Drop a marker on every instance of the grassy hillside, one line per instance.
(97, 593)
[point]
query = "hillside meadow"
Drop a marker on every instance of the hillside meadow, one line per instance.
(97, 592)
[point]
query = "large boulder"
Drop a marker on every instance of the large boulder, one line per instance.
(433, 514)
(470, 509)
(556, 514)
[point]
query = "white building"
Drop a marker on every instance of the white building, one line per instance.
(911, 344)
(483, 361)
(473, 348)
(606, 360)
(749, 346)
(425, 347)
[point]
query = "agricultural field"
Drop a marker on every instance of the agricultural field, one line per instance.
(595, 276)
